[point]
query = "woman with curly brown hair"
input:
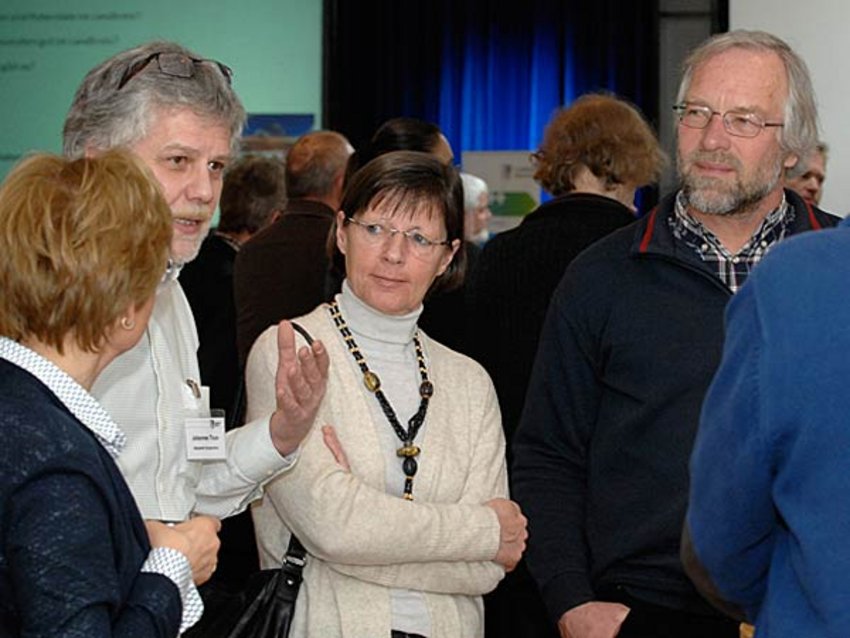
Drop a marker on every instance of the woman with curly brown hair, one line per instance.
(595, 154)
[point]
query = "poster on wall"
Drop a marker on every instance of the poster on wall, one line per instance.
(510, 180)
(273, 134)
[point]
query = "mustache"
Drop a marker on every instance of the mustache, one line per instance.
(714, 157)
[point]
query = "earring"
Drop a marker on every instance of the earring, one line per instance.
(127, 324)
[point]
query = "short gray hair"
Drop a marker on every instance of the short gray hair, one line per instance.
(473, 186)
(800, 133)
(102, 116)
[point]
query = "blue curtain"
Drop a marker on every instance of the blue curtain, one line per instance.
(489, 73)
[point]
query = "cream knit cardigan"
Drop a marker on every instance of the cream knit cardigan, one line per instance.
(364, 542)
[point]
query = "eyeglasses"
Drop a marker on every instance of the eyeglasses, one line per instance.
(376, 234)
(174, 64)
(738, 123)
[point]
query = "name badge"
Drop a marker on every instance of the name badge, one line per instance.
(205, 437)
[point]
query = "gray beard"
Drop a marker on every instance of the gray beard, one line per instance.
(703, 194)
(726, 203)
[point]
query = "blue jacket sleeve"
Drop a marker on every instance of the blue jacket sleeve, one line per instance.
(69, 575)
(731, 517)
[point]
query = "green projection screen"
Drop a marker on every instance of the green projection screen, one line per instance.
(46, 46)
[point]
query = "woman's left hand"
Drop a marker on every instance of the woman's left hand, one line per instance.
(300, 384)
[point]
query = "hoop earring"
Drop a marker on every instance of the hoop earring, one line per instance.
(127, 324)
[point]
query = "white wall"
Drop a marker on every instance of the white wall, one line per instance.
(817, 30)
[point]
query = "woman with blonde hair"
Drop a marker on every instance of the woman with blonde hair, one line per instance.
(84, 244)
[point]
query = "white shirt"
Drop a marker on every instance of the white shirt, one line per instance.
(148, 391)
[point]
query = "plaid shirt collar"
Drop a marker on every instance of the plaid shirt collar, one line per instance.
(78, 401)
(730, 269)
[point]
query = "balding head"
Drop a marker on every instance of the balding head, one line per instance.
(315, 165)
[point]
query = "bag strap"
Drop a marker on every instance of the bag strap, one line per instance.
(296, 555)
(300, 330)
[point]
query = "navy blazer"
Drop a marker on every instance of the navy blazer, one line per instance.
(72, 540)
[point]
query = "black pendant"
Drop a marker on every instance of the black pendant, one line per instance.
(426, 390)
(409, 466)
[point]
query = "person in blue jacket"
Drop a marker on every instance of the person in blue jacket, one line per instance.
(84, 244)
(768, 526)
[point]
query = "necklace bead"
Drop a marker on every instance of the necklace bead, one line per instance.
(371, 381)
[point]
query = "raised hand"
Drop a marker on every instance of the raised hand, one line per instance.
(300, 384)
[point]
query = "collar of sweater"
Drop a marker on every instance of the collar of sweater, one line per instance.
(379, 328)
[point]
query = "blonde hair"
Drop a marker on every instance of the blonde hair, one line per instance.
(606, 135)
(81, 241)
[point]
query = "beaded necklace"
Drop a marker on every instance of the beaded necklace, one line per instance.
(408, 451)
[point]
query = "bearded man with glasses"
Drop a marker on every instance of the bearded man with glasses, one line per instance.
(178, 113)
(632, 339)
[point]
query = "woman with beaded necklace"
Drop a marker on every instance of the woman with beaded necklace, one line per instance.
(410, 525)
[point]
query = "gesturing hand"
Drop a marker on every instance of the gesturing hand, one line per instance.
(300, 384)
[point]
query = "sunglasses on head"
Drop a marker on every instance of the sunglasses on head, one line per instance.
(173, 64)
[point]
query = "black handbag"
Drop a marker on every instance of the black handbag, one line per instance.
(268, 602)
(269, 598)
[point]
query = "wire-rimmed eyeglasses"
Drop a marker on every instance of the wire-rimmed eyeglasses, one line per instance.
(173, 64)
(376, 234)
(738, 123)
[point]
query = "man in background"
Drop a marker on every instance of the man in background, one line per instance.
(281, 272)
(806, 177)
(632, 338)
(253, 196)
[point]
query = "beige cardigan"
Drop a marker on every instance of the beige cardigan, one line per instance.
(364, 542)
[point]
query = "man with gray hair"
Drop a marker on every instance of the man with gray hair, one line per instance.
(178, 113)
(806, 177)
(632, 338)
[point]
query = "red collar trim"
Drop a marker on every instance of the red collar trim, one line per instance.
(650, 227)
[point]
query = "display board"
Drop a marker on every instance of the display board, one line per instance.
(510, 181)
(46, 46)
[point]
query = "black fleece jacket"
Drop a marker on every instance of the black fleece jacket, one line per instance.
(631, 341)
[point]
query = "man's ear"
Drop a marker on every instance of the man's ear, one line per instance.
(790, 160)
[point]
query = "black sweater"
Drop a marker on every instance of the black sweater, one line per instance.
(512, 282)
(630, 344)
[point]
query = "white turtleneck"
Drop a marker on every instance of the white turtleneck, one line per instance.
(386, 342)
